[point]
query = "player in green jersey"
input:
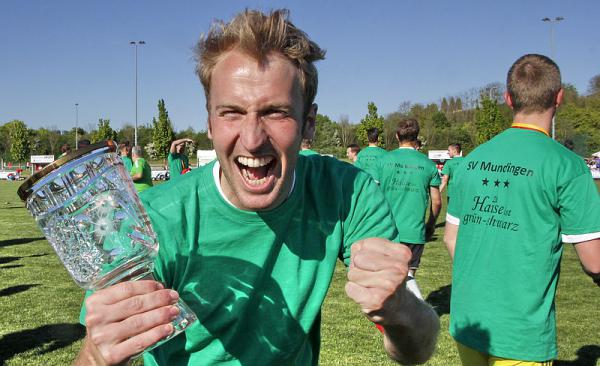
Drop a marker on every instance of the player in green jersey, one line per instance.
(178, 160)
(141, 172)
(125, 153)
(515, 200)
(450, 166)
(352, 151)
(306, 148)
(250, 242)
(409, 181)
(368, 157)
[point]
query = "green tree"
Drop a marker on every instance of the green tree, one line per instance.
(127, 133)
(4, 143)
(440, 121)
(162, 133)
(202, 141)
(444, 105)
(458, 104)
(391, 125)
(19, 140)
(104, 131)
(489, 121)
(327, 139)
(346, 131)
(580, 121)
(594, 86)
(372, 119)
(451, 104)
(570, 95)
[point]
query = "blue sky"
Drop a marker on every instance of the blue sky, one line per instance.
(58, 53)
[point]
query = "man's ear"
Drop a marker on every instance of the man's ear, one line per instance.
(508, 100)
(310, 122)
(559, 97)
(209, 129)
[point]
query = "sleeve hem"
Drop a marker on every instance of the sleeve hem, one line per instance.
(452, 220)
(580, 237)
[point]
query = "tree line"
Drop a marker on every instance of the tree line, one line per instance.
(469, 119)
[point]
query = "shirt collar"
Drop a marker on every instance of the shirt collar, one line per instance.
(217, 179)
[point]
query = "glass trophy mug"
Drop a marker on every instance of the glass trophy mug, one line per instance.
(88, 209)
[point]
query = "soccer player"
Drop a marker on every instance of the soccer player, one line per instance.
(306, 148)
(141, 172)
(125, 153)
(450, 166)
(352, 151)
(409, 180)
(521, 196)
(178, 160)
(250, 241)
(367, 158)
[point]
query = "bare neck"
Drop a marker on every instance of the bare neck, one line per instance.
(373, 144)
(407, 144)
(542, 120)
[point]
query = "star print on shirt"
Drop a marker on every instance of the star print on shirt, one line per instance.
(496, 183)
(485, 181)
(506, 183)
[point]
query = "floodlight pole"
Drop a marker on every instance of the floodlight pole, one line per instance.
(552, 21)
(76, 124)
(135, 44)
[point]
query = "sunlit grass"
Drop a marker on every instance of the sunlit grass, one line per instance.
(40, 304)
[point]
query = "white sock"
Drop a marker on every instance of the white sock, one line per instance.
(411, 285)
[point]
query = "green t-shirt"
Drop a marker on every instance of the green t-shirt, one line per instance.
(405, 176)
(519, 193)
(141, 165)
(257, 280)
(367, 159)
(308, 152)
(449, 169)
(127, 163)
(177, 164)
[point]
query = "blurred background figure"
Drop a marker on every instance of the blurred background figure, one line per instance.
(305, 148)
(352, 152)
(141, 173)
(125, 152)
(178, 160)
(84, 143)
(65, 149)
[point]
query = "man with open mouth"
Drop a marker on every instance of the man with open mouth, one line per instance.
(250, 241)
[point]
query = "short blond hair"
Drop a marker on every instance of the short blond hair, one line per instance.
(259, 34)
(533, 82)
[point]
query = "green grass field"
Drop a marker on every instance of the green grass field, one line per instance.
(40, 304)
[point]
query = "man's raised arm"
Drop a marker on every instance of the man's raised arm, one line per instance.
(376, 281)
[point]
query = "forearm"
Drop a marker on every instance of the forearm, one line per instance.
(136, 177)
(444, 183)
(442, 186)
(412, 339)
(434, 212)
(589, 255)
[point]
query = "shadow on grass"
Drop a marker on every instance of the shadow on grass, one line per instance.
(16, 289)
(586, 356)
(12, 266)
(19, 241)
(11, 207)
(440, 300)
(5, 260)
(48, 337)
